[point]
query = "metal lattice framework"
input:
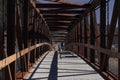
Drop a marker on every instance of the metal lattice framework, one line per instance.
(28, 29)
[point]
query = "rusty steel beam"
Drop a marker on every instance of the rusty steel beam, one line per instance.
(81, 35)
(56, 16)
(59, 17)
(109, 52)
(85, 35)
(94, 4)
(111, 32)
(78, 35)
(32, 2)
(59, 35)
(32, 55)
(55, 25)
(62, 11)
(13, 58)
(58, 27)
(58, 22)
(20, 37)
(97, 32)
(92, 36)
(1, 32)
(119, 38)
(102, 31)
(81, 22)
(2, 53)
(65, 19)
(25, 26)
(113, 24)
(58, 40)
(47, 5)
(19, 34)
(11, 36)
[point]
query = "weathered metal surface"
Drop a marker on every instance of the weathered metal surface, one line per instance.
(105, 51)
(92, 36)
(47, 5)
(12, 58)
(119, 38)
(11, 35)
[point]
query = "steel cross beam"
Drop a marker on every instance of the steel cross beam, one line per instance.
(62, 11)
(64, 6)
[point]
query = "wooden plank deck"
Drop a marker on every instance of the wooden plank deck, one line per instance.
(68, 67)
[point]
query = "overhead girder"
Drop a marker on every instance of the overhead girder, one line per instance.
(60, 19)
(47, 5)
(59, 35)
(65, 27)
(62, 11)
(57, 24)
(57, 15)
(58, 28)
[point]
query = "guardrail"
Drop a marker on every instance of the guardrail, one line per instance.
(15, 56)
(105, 51)
(97, 66)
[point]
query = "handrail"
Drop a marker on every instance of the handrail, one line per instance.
(106, 51)
(12, 58)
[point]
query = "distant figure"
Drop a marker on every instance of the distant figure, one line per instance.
(60, 49)
(62, 46)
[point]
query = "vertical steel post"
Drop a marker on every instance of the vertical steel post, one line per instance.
(25, 30)
(78, 36)
(81, 36)
(1, 37)
(11, 34)
(81, 31)
(32, 55)
(85, 35)
(92, 37)
(1, 32)
(119, 38)
(111, 33)
(102, 29)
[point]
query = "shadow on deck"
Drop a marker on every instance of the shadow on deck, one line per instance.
(69, 67)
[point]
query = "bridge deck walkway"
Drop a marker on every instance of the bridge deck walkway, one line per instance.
(67, 66)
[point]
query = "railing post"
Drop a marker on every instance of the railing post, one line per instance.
(78, 36)
(25, 31)
(11, 35)
(102, 30)
(2, 76)
(81, 36)
(110, 34)
(85, 34)
(119, 38)
(92, 38)
(32, 54)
